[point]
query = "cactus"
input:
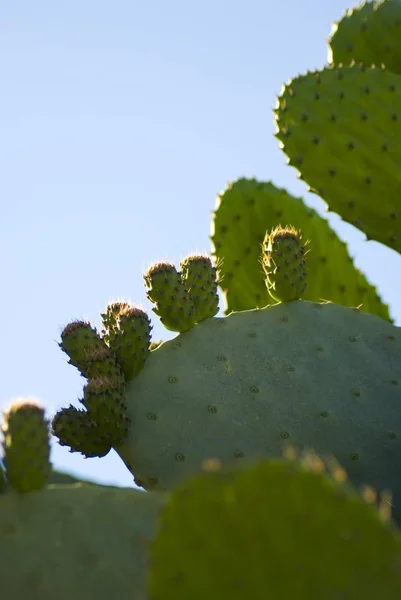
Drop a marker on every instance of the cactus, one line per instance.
(284, 264)
(26, 446)
(316, 375)
(77, 541)
(74, 428)
(246, 209)
(369, 33)
(88, 351)
(340, 128)
(127, 331)
(275, 530)
(198, 275)
(104, 400)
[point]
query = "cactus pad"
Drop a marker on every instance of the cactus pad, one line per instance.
(246, 209)
(368, 34)
(199, 278)
(274, 530)
(172, 302)
(340, 127)
(75, 428)
(128, 333)
(26, 446)
(77, 541)
(87, 350)
(104, 400)
(313, 375)
(284, 264)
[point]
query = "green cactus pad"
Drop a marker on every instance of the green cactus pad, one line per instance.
(80, 542)
(172, 302)
(313, 375)
(199, 278)
(87, 350)
(274, 530)
(341, 128)
(26, 445)
(246, 209)
(129, 336)
(110, 318)
(104, 400)
(75, 428)
(368, 34)
(284, 264)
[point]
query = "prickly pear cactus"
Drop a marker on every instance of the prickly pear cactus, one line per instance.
(370, 34)
(245, 210)
(284, 264)
(340, 128)
(26, 446)
(77, 541)
(275, 530)
(311, 374)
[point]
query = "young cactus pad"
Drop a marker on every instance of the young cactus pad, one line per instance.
(368, 34)
(316, 375)
(284, 264)
(274, 530)
(77, 542)
(26, 445)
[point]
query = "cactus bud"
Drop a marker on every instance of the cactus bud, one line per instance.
(75, 429)
(199, 278)
(284, 264)
(172, 302)
(26, 446)
(104, 400)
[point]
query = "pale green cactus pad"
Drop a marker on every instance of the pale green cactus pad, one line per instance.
(315, 375)
(76, 542)
(341, 129)
(370, 33)
(273, 531)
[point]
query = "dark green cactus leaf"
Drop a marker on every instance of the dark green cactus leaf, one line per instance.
(368, 34)
(104, 400)
(341, 129)
(274, 530)
(246, 210)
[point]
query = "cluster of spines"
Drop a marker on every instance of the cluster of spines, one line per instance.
(26, 447)
(183, 298)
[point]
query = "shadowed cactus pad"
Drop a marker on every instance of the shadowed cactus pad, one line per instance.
(76, 542)
(172, 302)
(87, 350)
(26, 445)
(284, 264)
(127, 331)
(276, 531)
(77, 430)
(199, 278)
(368, 33)
(104, 400)
(313, 375)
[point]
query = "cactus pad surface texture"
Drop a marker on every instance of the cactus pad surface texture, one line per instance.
(315, 375)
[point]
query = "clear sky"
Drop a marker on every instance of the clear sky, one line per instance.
(120, 122)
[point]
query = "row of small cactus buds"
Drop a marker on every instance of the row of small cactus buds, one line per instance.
(183, 298)
(26, 447)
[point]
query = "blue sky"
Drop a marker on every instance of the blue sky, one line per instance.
(120, 122)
